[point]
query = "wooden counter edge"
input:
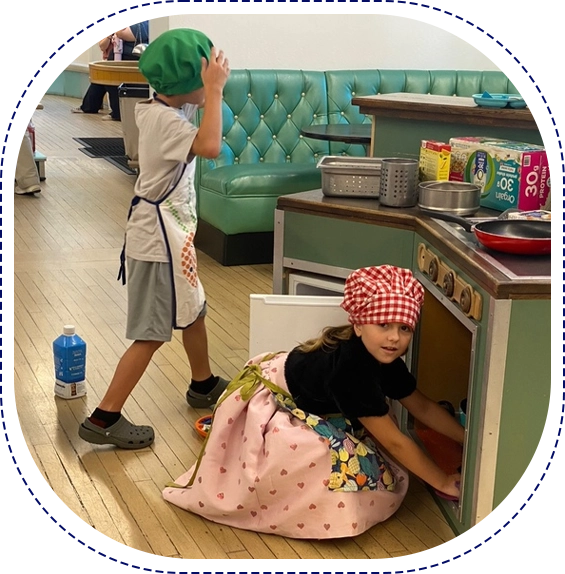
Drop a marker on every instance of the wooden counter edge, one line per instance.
(459, 254)
(472, 115)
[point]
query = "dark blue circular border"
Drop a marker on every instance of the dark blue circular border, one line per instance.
(39, 36)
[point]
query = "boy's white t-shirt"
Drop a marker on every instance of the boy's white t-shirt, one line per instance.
(165, 140)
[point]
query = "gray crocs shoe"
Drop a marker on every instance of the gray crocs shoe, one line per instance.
(200, 401)
(122, 434)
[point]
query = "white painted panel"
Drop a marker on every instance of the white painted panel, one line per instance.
(280, 322)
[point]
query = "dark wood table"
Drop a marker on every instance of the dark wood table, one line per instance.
(429, 110)
(346, 133)
(443, 109)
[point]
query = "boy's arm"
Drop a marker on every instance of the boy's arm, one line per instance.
(208, 141)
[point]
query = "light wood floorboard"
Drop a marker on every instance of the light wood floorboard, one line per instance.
(67, 245)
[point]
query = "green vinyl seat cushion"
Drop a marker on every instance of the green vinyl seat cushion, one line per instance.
(241, 198)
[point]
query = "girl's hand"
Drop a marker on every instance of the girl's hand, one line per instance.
(452, 485)
(215, 73)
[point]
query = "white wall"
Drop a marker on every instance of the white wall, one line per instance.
(336, 38)
(326, 39)
(85, 55)
(158, 26)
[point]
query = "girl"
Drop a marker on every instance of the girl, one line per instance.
(292, 447)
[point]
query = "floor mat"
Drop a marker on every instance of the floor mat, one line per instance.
(121, 162)
(110, 149)
(102, 147)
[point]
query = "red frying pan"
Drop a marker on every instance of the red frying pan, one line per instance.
(518, 236)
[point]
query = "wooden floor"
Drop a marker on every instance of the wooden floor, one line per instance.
(67, 244)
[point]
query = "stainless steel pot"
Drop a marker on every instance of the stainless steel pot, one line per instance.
(457, 198)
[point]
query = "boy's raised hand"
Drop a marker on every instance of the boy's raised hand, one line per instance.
(215, 73)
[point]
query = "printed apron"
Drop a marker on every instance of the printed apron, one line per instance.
(176, 212)
(270, 467)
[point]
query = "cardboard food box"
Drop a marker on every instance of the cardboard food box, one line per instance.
(511, 174)
(434, 161)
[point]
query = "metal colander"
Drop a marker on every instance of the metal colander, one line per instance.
(350, 176)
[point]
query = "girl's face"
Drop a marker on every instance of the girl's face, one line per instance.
(385, 341)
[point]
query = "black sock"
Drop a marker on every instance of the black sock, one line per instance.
(204, 387)
(104, 419)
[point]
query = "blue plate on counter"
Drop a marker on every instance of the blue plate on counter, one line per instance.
(487, 100)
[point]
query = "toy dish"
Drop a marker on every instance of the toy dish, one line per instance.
(517, 103)
(202, 425)
(487, 100)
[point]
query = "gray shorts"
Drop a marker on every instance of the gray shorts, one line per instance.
(150, 301)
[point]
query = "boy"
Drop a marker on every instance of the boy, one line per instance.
(164, 291)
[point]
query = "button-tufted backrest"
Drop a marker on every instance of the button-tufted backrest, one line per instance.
(263, 111)
(343, 85)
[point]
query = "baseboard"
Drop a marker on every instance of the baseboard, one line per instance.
(77, 67)
(72, 83)
(240, 249)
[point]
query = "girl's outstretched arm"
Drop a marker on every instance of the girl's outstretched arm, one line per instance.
(409, 454)
(433, 416)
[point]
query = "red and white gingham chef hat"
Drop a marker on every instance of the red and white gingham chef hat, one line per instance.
(384, 294)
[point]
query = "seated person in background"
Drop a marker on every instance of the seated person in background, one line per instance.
(117, 46)
(27, 178)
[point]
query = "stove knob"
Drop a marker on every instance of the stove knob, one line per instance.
(466, 299)
(449, 284)
(433, 269)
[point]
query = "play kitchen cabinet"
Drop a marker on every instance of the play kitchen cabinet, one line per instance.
(484, 336)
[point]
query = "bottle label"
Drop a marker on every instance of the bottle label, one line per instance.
(69, 355)
(70, 390)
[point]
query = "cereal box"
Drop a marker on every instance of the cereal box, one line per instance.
(434, 160)
(511, 174)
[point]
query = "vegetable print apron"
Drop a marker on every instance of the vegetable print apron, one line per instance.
(176, 213)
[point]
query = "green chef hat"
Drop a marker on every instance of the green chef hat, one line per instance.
(172, 63)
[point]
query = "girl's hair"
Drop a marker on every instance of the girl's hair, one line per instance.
(330, 338)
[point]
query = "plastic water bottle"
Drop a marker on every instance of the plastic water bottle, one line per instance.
(118, 48)
(69, 352)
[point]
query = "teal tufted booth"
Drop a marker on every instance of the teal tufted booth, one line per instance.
(264, 156)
